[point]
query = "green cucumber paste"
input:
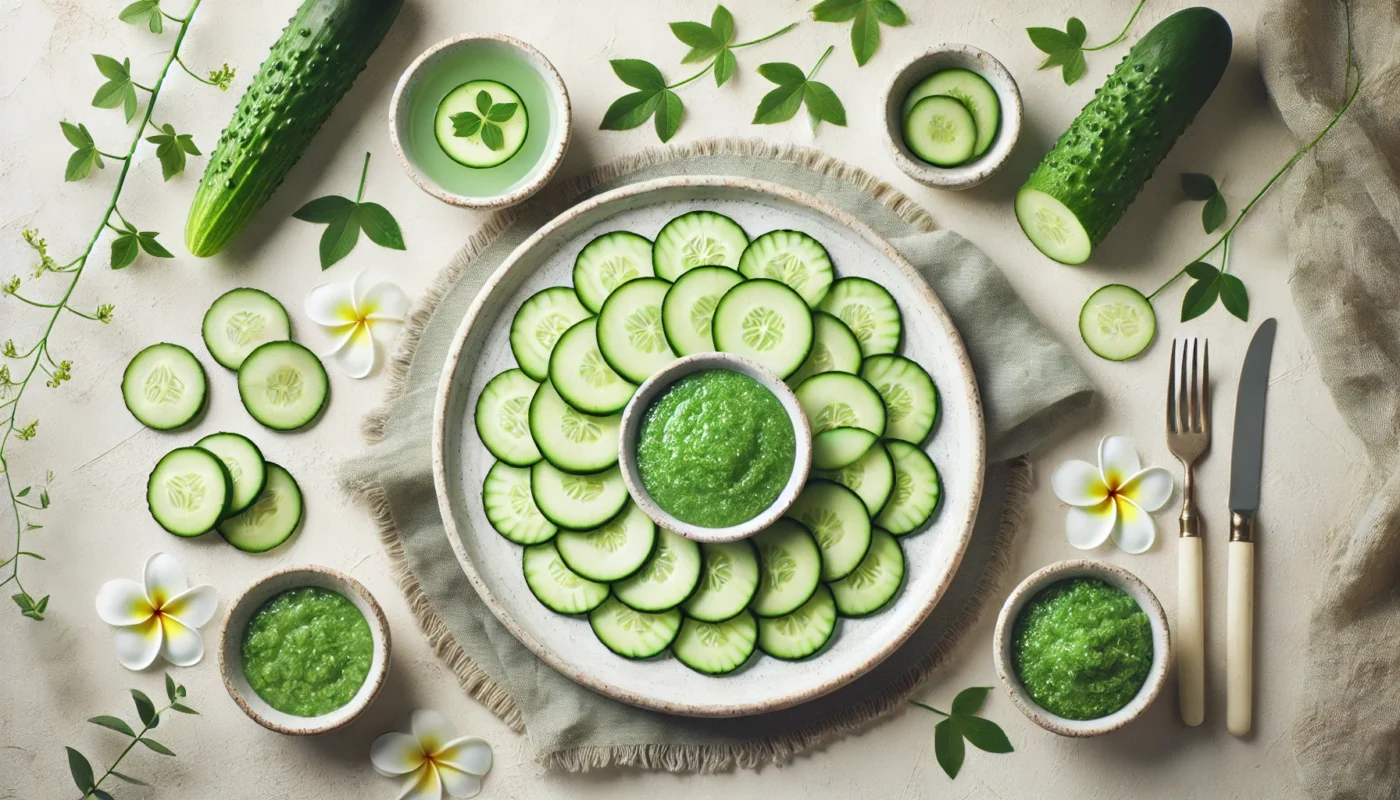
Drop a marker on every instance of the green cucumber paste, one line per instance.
(307, 651)
(716, 449)
(1082, 648)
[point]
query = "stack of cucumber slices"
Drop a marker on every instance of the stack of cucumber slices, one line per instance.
(951, 117)
(552, 423)
(223, 482)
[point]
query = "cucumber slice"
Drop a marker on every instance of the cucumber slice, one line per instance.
(941, 131)
(1117, 322)
(841, 447)
(968, 88)
(803, 632)
(245, 465)
(271, 520)
(834, 349)
(610, 552)
(606, 263)
(541, 320)
(872, 478)
(688, 311)
(765, 321)
(790, 568)
(283, 385)
(916, 489)
(836, 516)
(556, 586)
(510, 505)
(793, 258)
(697, 239)
(581, 376)
(911, 399)
(716, 648)
(666, 579)
(630, 335)
(239, 321)
(841, 400)
(189, 491)
(164, 387)
(875, 582)
(728, 581)
(503, 418)
(577, 502)
(571, 441)
(499, 107)
(869, 310)
(1052, 227)
(631, 633)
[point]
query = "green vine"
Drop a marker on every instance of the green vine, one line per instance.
(38, 361)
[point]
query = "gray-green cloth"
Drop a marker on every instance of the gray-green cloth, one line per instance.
(1029, 385)
(1342, 212)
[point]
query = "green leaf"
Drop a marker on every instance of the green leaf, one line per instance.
(22, 600)
(483, 102)
(380, 226)
(144, 708)
(151, 246)
(725, 64)
(23, 492)
(836, 10)
(1198, 186)
(668, 115)
(112, 94)
(1051, 41)
(77, 135)
(157, 746)
(638, 73)
(782, 73)
(722, 23)
(171, 155)
(323, 209)
(181, 707)
(984, 734)
(125, 248)
(128, 779)
(80, 769)
(1202, 271)
(169, 687)
(630, 110)
(500, 112)
(138, 11)
(1233, 296)
(1074, 67)
(43, 603)
(889, 13)
(1213, 215)
(340, 237)
(112, 68)
(186, 142)
(780, 104)
(948, 746)
(865, 34)
(700, 37)
(1076, 32)
(1199, 298)
(823, 104)
(101, 794)
(866, 16)
(113, 723)
(465, 123)
(970, 700)
(492, 136)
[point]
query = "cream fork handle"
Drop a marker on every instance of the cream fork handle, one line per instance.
(1190, 631)
(1239, 635)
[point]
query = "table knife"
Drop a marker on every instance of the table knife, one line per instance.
(1246, 465)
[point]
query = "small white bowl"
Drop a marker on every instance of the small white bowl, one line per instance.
(654, 386)
(252, 599)
(561, 116)
(1114, 576)
(935, 59)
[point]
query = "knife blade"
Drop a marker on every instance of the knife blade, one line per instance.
(1247, 452)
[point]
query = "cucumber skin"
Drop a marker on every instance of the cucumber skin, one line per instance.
(324, 47)
(1111, 149)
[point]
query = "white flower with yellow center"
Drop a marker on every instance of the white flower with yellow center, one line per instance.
(161, 616)
(1114, 500)
(360, 317)
(433, 760)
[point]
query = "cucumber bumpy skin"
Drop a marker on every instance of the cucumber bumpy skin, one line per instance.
(1100, 164)
(323, 49)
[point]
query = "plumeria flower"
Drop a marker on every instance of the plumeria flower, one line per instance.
(359, 316)
(161, 616)
(1113, 500)
(433, 760)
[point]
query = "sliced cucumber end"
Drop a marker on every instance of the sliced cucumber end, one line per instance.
(1052, 227)
(1117, 322)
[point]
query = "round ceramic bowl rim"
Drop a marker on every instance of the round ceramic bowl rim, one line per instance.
(555, 157)
(963, 176)
(977, 443)
(655, 386)
(319, 724)
(1117, 577)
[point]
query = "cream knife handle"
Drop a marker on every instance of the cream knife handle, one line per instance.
(1239, 638)
(1190, 631)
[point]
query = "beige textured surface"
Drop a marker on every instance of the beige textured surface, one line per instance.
(54, 675)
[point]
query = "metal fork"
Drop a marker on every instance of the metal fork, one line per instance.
(1188, 437)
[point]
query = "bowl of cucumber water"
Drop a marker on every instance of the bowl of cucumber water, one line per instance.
(480, 121)
(952, 116)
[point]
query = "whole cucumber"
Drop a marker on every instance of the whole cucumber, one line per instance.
(1085, 184)
(323, 49)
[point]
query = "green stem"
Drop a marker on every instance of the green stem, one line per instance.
(35, 303)
(143, 86)
(145, 729)
(694, 77)
(192, 73)
(929, 707)
(111, 155)
(820, 61)
(79, 313)
(761, 40)
(363, 172)
(1121, 34)
(72, 284)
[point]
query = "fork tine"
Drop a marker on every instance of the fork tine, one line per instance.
(1183, 406)
(1195, 387)
(1171, 393)
(1205, 391)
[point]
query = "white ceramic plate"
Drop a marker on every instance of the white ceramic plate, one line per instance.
(492, 564)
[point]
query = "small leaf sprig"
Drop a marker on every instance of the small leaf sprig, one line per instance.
(796, 89)
(866, 17)
(1065, 48)
(22, 368)
(655, 98)
(345, 218)
(486, 123)
(86, 779)
(961, 723)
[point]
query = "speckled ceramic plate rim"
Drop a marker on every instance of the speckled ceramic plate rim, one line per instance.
(782, 698)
